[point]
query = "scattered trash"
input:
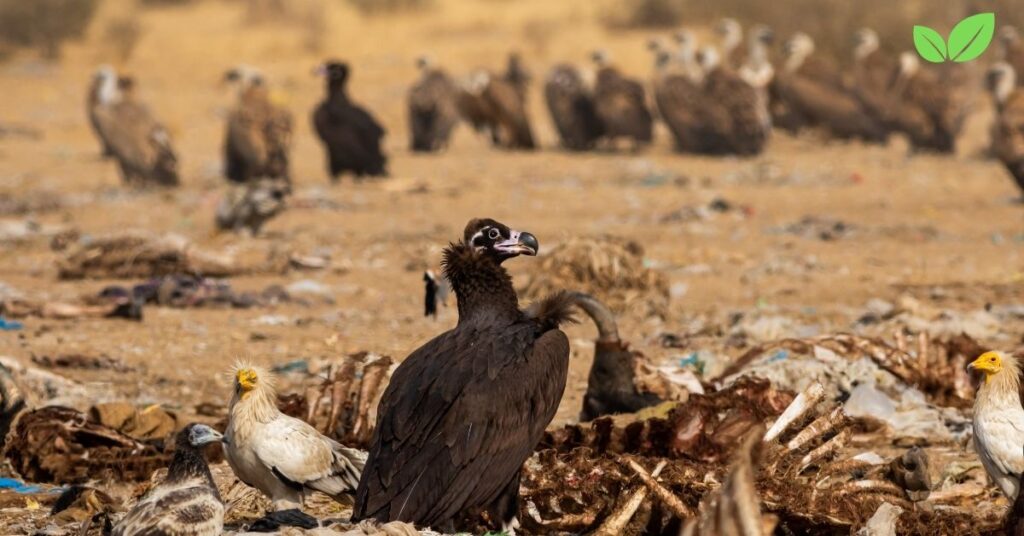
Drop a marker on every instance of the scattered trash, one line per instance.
(132, 255)
(18, 486)
(9, 325)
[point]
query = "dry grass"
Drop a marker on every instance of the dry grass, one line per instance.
(44, 24)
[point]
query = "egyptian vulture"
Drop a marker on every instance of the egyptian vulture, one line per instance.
(999, 420)
(282, 456)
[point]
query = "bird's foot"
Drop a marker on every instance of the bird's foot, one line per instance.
(294, 517)
(510, 526)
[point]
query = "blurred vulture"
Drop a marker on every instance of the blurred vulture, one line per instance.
(874, 73)
(621, 104)
(432, 109)
(247, 207)
(92, 106)
(141, 145)
(730, 36)
(1008, 130)
(258, 131)
(1012, 49)
(517, 75)
(812, 94)
(351, 136)
(494, 106)
(572, 108)
(930, 112)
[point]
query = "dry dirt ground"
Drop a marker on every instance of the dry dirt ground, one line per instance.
(914, 224)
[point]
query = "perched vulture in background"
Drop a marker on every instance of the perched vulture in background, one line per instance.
(517, 75)
(493, 105)
(141, 145)
(1012, 49)
(259, 132)
(351, 136)
(621, 104)
(678, 94)
(572, 108)
(92, 107)
(811, 94)
(929, 112)
(465, 410)
(730, 37)
(433, 112)
(247, 207)
(1008, 130)
(873, 76)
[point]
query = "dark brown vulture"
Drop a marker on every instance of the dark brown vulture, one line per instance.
(678, 95)
(1008, 130)
(1012, 49)
(493, 105)
(930, 111)
(572, 108)
(621, 105)
(433, 112)
(351, 136)
(141, 145)
(812, 94)
(259, 132)
(464, 411)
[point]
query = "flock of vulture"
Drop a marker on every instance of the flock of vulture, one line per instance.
(718, 98)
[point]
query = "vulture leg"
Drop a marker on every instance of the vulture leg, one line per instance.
(505, 508)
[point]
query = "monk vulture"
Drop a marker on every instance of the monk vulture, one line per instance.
(464, 411)
(433, 112)
(571, 105)
(1008, 129)
(186, 503)
(999, 420)
(141, 145)
(351, 136)
(621, 104)
(259, 132)
(279, 455)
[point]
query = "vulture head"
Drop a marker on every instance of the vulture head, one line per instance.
(730, 33)
(1000, 81)
(865, 41)
(424, 62)
(336, 72)
(797, 49)
(244, 77)
(992, 363)
(761, 33)
(497, 241)
(198, 435)
(106, 81)
(601, 58)
(708, 58)
(909, 65)
(654, 44)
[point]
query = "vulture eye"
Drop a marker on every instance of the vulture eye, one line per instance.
(493, 234)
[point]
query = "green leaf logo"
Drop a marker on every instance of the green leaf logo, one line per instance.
(968, 40)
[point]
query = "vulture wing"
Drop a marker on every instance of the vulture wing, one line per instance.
(458, 419)
(186, 510)
(301, 456)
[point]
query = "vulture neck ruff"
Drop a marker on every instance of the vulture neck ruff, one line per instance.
(1003, 387)
(483, 289)
(188, 463)
(257, 405)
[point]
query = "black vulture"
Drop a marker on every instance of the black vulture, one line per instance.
(464, 411)
(140, 144)
(571, 105)
(351, 136)
(259, 132)
(433, 112)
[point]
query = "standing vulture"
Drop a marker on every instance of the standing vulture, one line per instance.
(141, 145)
(1008, 130)
(517, 75)
(678, 94)
(811, 94)
(1012, 49)
(730, 36)
(433, 112)
(259, 132)
(351, 136)
(464, 411)
(621, 104)
(494, 105)
(92, 107)
(930, 112)
(874, 72)
(571, 105)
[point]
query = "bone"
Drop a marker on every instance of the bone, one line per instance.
(804, 402)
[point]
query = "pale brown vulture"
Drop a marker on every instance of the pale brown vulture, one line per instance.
(259, 132)
(931, 111)
(493, 105)
(92, 105)
(730, 37)
(1008, 130)
(433, 112)
(873, 76)
(812, 94)
(678, 93)
(141, 145)
(621, 105)
(572, 108)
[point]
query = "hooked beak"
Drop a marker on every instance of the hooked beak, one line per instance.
(519, 243)
(208, 435)
(320, 70)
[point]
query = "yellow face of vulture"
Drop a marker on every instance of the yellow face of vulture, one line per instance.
(245, 380)
(989, 363)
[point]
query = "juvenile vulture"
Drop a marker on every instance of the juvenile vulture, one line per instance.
(351, 136)
(1008, 130)
(282, 456)
(141, 145)
(621, 104)
(247, 207)
(999, 420)
(259, 131)
(930, 112)
(493, 105)
(186, 503)
(464, 411)
(571, 105)
(433, 112)
(811, 94)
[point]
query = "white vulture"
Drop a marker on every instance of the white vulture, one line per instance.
(186, 503)
(282, 456)
(999, 420)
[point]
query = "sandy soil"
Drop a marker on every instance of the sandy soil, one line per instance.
(917, 222)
